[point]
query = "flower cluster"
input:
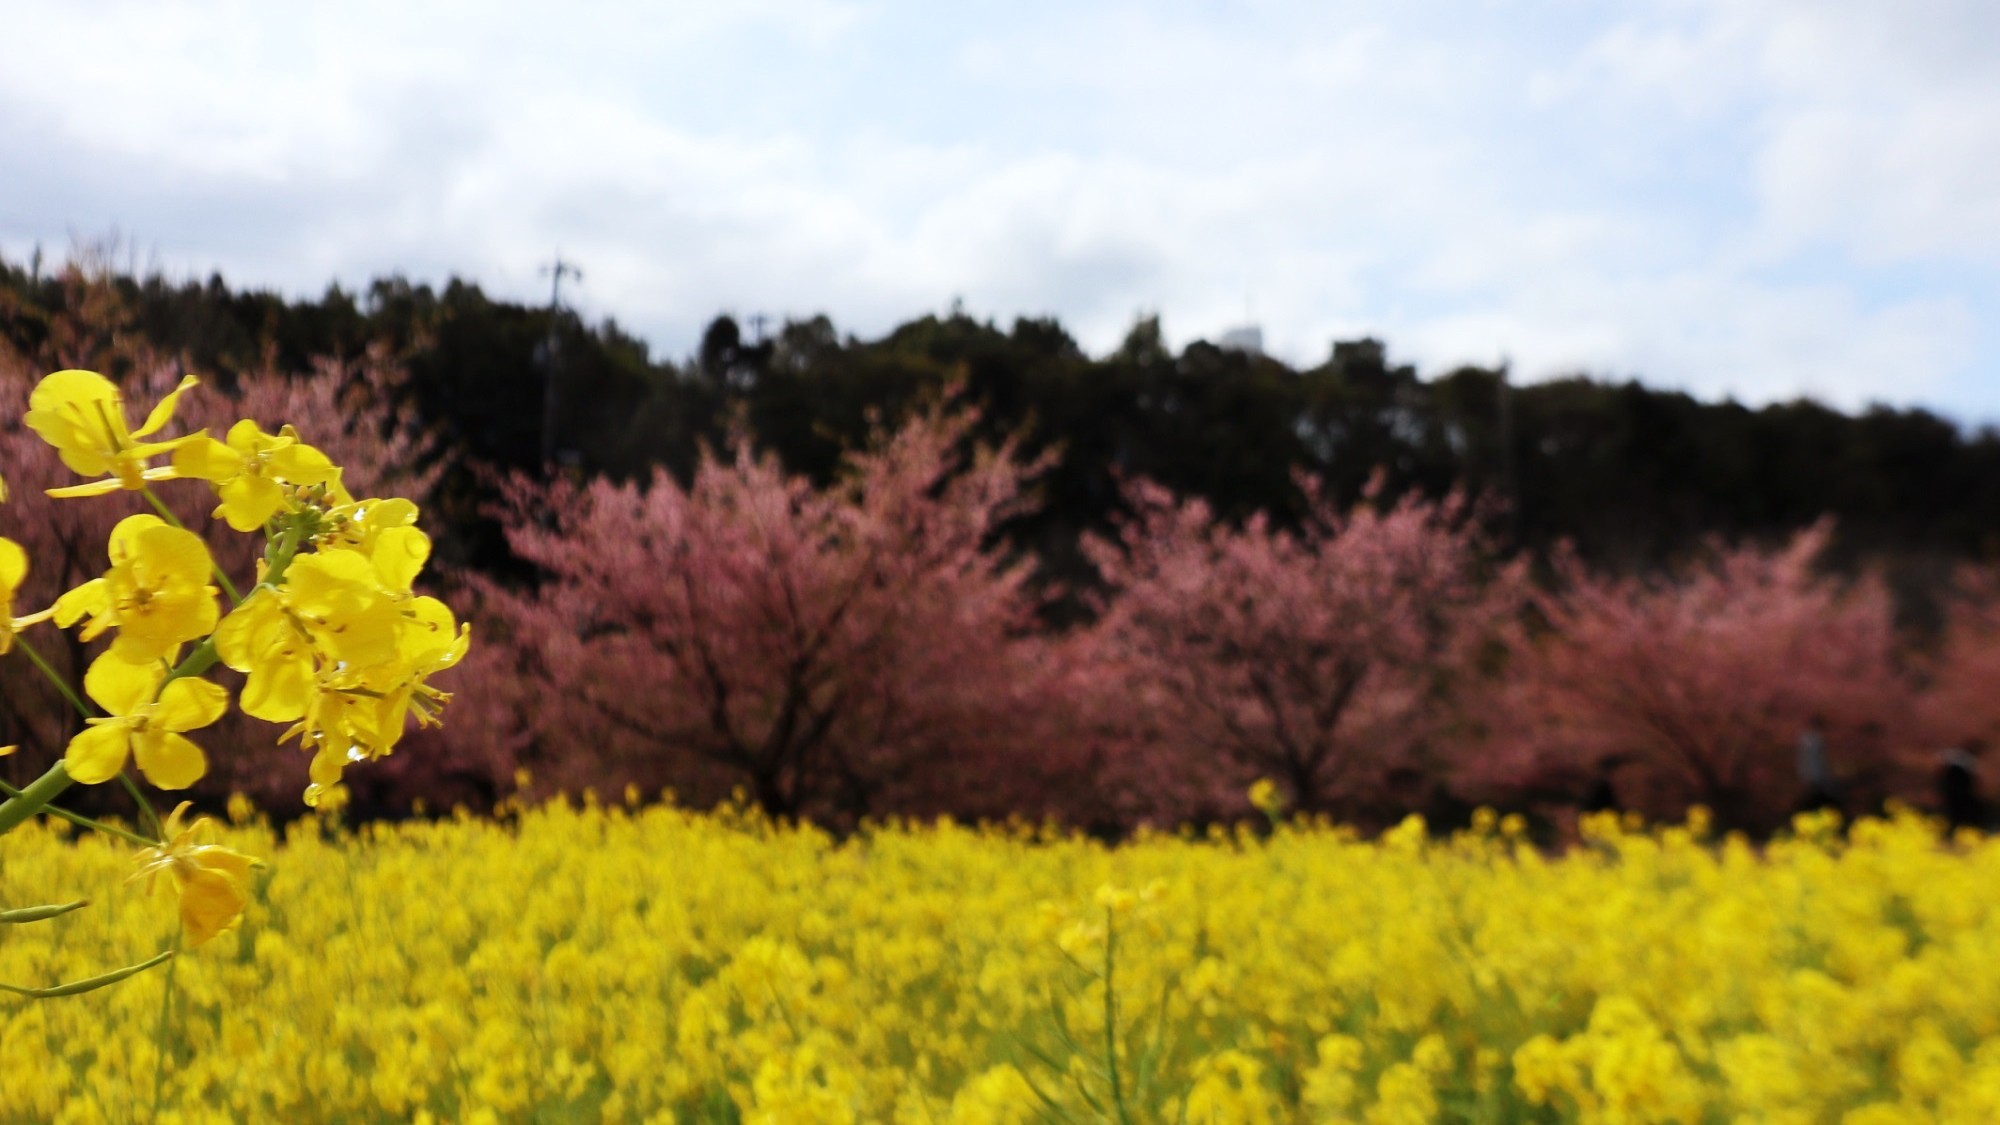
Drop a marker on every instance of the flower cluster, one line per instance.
(342, 649)
(334, 641)
(332, 638)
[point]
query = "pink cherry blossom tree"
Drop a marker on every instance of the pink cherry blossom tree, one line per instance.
(1695, 688)
(1960, 704)
(842, 652)
(1323, 658)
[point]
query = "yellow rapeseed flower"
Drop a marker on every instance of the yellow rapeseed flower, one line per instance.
(339, 598)
(250, 471)
(432, 641)
(145, 722)
(358, 525)
(156, 591)
(82, 414)
(260, 639)
(213, 881)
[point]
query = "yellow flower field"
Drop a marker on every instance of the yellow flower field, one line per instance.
(604, 964)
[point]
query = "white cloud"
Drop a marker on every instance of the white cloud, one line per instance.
(1879, 124)
(1757, 343)
(1705, 193)
(1914, 185)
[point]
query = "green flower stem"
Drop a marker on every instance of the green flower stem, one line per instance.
(34, 798)
(54, 677)
(1111, 1015)
(167, 514)
(160, 1031)
(194, 663)
(278, 556)
(91, 984)
(82, 821)
(145, 808)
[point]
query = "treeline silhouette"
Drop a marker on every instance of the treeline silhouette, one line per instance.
(1634, 476)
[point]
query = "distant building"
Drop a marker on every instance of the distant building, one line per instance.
(1249, 339)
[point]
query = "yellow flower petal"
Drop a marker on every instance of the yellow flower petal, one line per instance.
(245, 439)
(94, 488)
(249, 501)
(429, 634)
(230, 862)
(82, 416)
(98, 753)
(302, 464)
(327, 764)
(205, 458)
(278, 690)
(211, 902)
(169, 760)
(125, 534)
(92, 597)
(70, 386)
(319, 579)
(400, 554)
(163, 411)
(358, 620)
(13, 567)
(251, 629)
(188, 703)
(170, 552)
(119, 686)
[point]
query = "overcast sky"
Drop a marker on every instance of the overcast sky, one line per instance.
(1763, 198)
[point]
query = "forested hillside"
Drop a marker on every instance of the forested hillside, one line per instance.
(1634, 476)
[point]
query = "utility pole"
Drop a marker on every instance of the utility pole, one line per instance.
(1509, 484)
(555, 272)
